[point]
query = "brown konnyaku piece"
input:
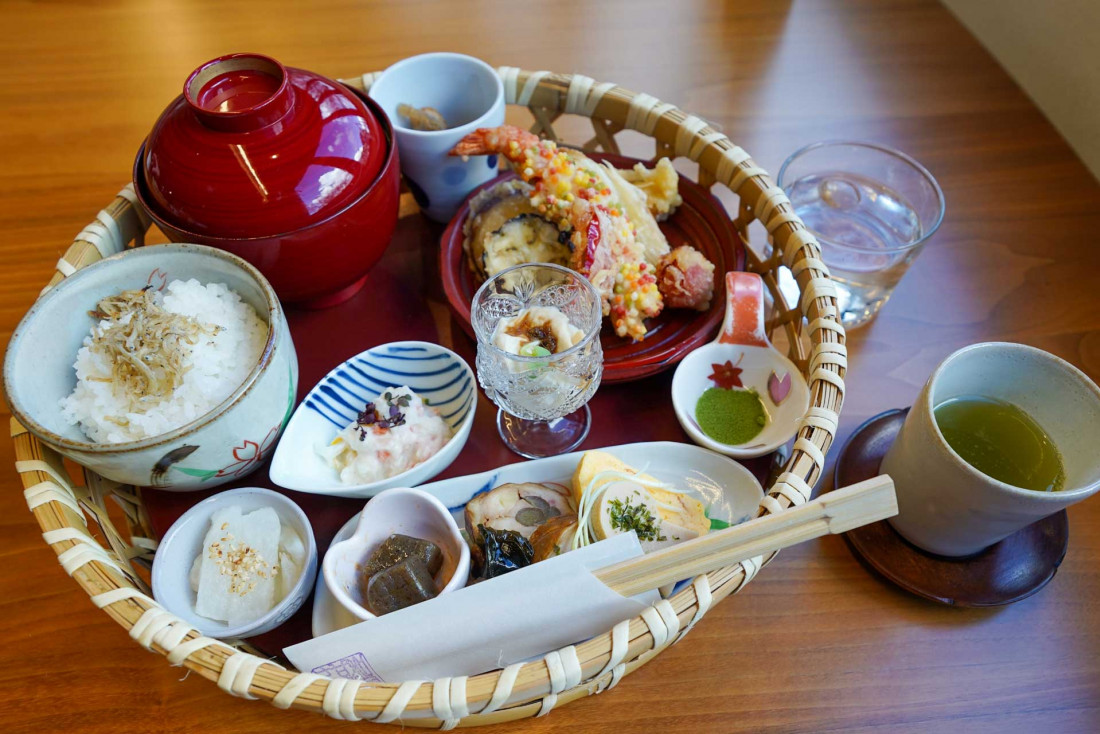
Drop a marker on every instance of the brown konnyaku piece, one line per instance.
(400, 585)
(397, 548)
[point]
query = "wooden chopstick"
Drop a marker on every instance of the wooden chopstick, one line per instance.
(836, 512)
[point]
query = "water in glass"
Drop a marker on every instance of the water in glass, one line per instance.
(872, 210)
(867, 234)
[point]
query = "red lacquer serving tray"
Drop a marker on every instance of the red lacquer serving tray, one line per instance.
(403, 299)
(701, 221)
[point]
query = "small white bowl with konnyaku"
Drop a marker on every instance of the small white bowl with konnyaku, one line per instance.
(402, 511)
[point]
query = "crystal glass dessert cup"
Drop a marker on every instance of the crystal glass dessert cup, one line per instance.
(291, 171)
(542, 387)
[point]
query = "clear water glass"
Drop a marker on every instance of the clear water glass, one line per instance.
(872, 210)
(542, 400)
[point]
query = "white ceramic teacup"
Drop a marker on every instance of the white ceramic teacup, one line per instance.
(947, 506)
(469, 94)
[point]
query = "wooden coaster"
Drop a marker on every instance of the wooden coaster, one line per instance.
(1008, 571)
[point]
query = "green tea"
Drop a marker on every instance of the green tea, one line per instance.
(1001, 441)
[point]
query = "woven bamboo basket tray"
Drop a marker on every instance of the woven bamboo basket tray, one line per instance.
(107, 570)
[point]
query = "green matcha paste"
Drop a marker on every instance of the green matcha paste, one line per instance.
(730, 416)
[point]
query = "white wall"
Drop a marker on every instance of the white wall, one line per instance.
(1052, 49)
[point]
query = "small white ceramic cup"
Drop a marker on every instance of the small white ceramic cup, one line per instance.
(469, 94)
(950, 508)
(411, 512)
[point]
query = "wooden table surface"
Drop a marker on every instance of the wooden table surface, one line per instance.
(815, 643)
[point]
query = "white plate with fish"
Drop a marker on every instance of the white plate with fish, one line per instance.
(357, 432)
(728, 491)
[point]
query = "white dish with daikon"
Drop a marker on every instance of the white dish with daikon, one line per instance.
(237, 564)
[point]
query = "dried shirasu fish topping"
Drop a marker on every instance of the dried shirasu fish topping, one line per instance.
(146, 346)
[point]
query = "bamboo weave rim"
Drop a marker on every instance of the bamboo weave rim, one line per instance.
(521, 690)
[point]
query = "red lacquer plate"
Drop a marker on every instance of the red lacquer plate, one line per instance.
(701, 221)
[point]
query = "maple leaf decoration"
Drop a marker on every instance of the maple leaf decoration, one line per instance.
(727, 376)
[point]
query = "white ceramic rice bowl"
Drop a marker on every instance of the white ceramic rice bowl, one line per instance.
(226, 443)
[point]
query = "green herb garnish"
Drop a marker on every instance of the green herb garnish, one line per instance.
(401, 400)
(626, 515)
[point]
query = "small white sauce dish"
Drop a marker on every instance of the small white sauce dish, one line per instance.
(433, 372)
(411, 512)
(182, 543)
(743, 348)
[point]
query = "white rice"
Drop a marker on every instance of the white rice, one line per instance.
(215, 368)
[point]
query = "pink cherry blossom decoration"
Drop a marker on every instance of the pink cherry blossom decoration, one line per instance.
(779, 387)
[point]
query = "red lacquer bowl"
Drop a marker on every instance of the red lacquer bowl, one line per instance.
(253, 148)
(293, 172)
(701, 221)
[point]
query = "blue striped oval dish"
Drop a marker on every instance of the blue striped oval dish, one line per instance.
(435, 373)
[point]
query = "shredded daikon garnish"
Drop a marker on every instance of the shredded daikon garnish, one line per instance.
(145, 345)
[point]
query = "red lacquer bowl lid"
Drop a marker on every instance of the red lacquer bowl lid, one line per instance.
(701, 221)
(253, 148)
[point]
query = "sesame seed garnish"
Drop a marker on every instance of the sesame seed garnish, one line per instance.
(241, 563)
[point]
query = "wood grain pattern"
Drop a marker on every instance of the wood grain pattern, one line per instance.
(814, 643)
